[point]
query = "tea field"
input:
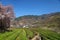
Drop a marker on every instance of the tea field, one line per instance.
(25, 34)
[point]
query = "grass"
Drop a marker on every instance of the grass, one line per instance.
(24, 34)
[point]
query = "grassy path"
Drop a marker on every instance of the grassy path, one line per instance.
(22, 35)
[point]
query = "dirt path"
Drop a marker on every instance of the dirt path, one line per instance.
(36, 37)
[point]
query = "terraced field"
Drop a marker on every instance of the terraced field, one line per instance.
(25, 34)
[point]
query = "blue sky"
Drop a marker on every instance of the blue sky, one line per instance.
(33, 7)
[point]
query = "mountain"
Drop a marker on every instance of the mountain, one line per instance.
(51, 20)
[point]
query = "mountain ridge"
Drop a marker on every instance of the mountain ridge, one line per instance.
(51, 20)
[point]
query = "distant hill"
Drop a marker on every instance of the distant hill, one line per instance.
(51, 20)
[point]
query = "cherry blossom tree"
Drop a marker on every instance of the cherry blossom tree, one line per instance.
(6, 15)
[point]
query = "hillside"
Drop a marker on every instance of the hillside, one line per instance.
(51, 20)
